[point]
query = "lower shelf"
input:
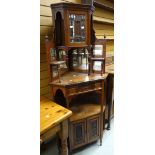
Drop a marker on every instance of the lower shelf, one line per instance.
(84, 110)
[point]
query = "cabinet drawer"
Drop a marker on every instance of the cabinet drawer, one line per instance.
(91, 86)
(98, 85)
(83, 88)
(72, 90)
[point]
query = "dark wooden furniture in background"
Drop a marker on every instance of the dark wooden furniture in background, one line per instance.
(110, 92)
(87, 122)
(54, 119)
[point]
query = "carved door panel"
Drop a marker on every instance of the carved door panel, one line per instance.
(78, 134)
(93, 125)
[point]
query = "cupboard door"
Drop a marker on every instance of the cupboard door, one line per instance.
(78, 134)
(93, 124)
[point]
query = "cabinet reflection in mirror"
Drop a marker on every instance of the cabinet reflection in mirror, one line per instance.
(77, 28)
(53, 54)
(80, 58)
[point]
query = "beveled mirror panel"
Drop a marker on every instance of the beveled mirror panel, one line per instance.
(62, 57)
(77, 28)
(53, 54)
(98, 50)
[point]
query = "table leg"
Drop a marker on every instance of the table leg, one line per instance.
(63, 136)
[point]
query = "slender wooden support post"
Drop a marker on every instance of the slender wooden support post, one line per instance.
(101, 68)
(59, 73)
(102, 102)
(110, 91)
(63, 136)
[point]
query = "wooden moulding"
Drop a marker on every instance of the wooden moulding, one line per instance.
(101, 5)
(103, 20)
(84, 110)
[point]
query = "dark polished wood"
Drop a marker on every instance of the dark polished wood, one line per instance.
(84, 95)
(86, 113)
(60, 13)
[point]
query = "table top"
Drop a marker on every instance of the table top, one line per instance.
(51, 114)
(73, 78)
(109, 69)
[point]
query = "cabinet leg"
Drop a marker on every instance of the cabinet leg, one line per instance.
(100, 141)
(109, 116)
(110, 99)
(101, 129)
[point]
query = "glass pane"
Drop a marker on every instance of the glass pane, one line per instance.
(53, 54)
(77, 28)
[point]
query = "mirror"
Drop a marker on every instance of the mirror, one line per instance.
(77, 28)
(98, 52)
(80, 59)
(53, 54)
(62, 57)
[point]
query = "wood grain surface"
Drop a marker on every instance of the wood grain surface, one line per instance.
(51, 114)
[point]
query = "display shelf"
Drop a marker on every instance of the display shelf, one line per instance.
(84, 110)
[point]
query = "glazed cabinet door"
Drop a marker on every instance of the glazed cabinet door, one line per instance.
(78, 134)
(93, 125)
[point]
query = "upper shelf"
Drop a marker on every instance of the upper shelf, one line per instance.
(108, 37)
(103, 20)
(101, 5)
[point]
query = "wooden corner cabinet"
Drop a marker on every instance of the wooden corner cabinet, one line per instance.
(84, 96)
(72, 24)
(73, 29)
(81, 93)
